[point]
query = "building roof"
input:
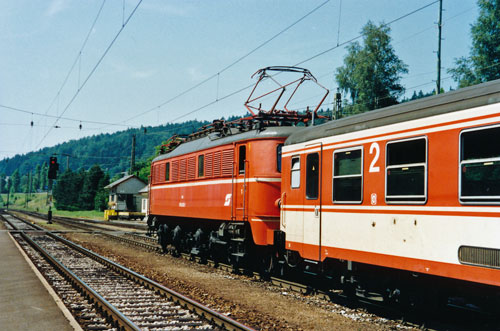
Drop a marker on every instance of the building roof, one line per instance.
(145, 189)
(122, 180)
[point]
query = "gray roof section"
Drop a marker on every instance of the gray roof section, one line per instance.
(122, 180)
(469, 97)
(211, 141)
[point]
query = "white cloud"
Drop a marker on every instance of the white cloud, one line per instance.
(195, 74)
(143, 74)
(56, 6)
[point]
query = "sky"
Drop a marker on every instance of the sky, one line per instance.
(110, 65)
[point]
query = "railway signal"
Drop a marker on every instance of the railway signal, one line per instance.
(53, 167)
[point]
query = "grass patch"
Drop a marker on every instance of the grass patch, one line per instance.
(38, 202)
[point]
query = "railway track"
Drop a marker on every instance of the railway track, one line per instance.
(108, 295)
(404, 319)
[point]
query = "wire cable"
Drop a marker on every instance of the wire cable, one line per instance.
(228, 66)
(306, 60)
(64, 118)
(92, 71)
(78, 57)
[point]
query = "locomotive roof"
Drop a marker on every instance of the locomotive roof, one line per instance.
(469, 97)
(211, 141)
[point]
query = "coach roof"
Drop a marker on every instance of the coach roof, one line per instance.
(465, 98)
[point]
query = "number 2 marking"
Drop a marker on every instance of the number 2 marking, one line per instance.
(376, 147)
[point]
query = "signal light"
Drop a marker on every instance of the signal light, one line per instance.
(53, 168)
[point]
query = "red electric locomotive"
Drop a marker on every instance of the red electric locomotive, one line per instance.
(215, 192)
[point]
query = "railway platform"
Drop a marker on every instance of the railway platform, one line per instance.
(25, 303)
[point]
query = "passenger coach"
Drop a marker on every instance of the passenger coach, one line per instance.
(414, 187)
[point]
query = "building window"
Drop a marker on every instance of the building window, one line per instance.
(480, 166)
(295, 172)
(201, 166)
(278, 157)
(348, 176)
(167, 172)
(406, 171)
(312, 176)
(242, 158)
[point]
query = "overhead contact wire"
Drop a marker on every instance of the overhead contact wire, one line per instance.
(230, 65)
(92, 71)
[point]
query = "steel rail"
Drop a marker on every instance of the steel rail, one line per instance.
(116, 318)
(205, 312)
(213, 316)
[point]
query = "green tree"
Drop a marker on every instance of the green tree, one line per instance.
(3, 183)
(44, 172)
(90, 187)
(101, 197)
(67, 190)
(36, 178)
(16, 182)
(371, 72)
(483, 63)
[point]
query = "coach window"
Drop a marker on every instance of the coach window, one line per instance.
(347, 176)
(242, 158)
(480, 166)
(201, 165)
(278, 157)
(406, 171)
(167, 172)
(312, 176)
(295, 172)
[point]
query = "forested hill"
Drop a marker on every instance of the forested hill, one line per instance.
(110, 151)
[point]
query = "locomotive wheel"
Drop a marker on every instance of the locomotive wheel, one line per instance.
(163, 236)
(177, 235)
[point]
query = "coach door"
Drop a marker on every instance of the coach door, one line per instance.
(312, 204)
(240, 183)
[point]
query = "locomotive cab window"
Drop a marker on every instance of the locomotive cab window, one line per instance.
(201, 165)
(312, 176)
(241, 159)
(167, 172)
(347, 176)
(406, 171)
(480, 166)
(278, 157)
(295, 172)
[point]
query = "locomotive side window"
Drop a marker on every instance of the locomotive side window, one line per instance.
(201, 166)
(480, 166)
(242, 158)
(295, 172)
(406, 171)
(278, 157)
(312, 176)
(167, 172)
(348, 176)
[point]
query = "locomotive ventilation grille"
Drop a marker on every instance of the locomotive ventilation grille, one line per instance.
(486, 257)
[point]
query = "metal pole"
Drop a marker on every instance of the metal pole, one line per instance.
(132, 157)
(438, 81)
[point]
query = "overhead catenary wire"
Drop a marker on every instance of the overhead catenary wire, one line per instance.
(217, 74)
(92, 71)
(306, 60)
(77, 59)
(64, 118)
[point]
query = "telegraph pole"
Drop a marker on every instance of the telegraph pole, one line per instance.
(132, 157)
(440, 25)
